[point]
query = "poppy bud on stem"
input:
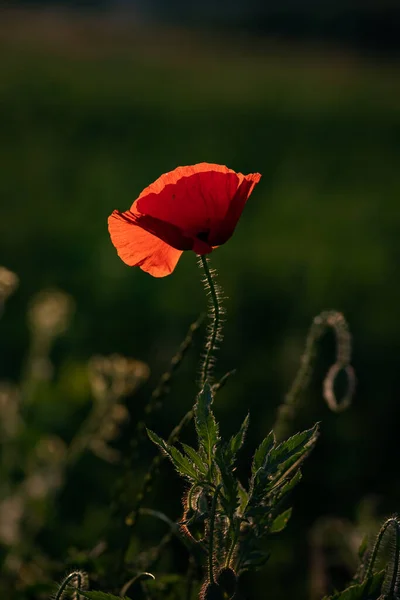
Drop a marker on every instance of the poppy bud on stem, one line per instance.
(216, 310)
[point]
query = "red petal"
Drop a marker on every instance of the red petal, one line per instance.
(171, 234)
(195, 199)
(138, 247)
(223, 231)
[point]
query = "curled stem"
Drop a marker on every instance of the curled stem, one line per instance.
(77, 579)
(326, 320)
(215, 306)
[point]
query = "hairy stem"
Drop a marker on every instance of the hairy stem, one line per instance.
(395, 573)
(326, 320)
(211, 534)
(215, 314)
(233, 544)
(76, 578)
(392, 521)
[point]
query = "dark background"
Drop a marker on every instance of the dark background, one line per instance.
(96, 101)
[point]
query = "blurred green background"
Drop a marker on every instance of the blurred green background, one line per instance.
(92, 110)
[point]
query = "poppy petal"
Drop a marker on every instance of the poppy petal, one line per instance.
(224, 230)
(138, 247)
(170, 234)
(190, 208)
(195, 199)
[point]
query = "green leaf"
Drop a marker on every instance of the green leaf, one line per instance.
(243, 497)
(99, 595)
(262, 452)
(275, 469)
(289, 451)
(229, 496)
(280, 522)
(363, 547)
(283, 459)
(236, 441)
(181, 463)
(224, 456)
(206, 425)
(370, 588)
(289, 486)
(195, 458)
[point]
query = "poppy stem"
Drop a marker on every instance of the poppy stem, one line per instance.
(214, 335)
(211, 534)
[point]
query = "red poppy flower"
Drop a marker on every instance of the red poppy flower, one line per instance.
(191, 208)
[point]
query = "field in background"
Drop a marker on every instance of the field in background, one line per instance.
(92, 111)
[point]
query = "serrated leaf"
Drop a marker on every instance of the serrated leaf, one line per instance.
(205, 423)
(370, 588)
(99, 595)
(289, 485)
(280, 522)
(243, 497)
(195, 458)
(262, 452)
(236, 441)
(290, 450)
(181, 463)
(284, 458)
(278, 497)
(279, 464)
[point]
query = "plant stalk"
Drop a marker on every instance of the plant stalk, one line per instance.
(215, 315)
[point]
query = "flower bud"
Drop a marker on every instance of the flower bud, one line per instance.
(227, 580)
(211, 591)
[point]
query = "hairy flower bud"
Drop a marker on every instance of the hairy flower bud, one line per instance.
(227, 580)
(211, 591)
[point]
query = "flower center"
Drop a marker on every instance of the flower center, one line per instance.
(203, 235)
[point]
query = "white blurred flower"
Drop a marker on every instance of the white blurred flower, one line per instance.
(9, 409)
(8, 284)
(11, 511)
(116, 375)
(50, 312)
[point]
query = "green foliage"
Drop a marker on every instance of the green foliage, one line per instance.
(238, 518)
(101, 596)
(370, 588)
(277, 463)
(280, 522)
(262, 452)
(182, 463)
(388, 539)
(206, 425)
(78, 136)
